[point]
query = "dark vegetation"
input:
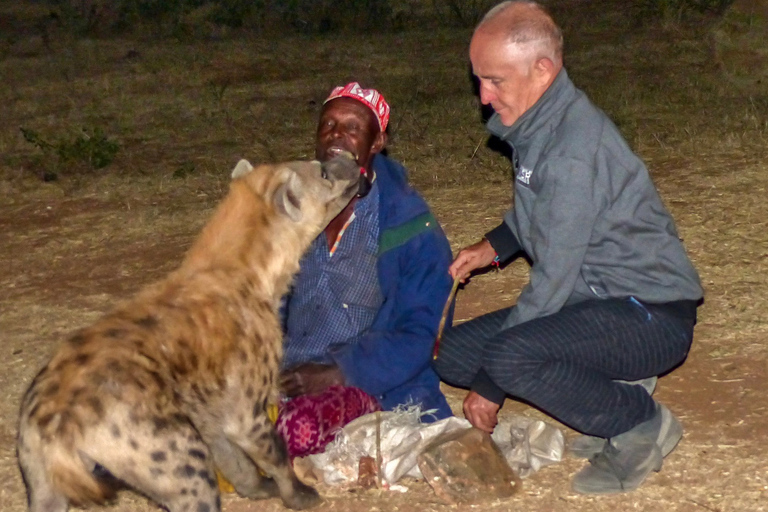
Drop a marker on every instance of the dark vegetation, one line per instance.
(189, 18)
(92, 146)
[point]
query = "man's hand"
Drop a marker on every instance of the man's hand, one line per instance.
(470, 258)
(310, 379)
(481, 412)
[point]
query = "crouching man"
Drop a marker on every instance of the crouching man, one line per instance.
(612, 295)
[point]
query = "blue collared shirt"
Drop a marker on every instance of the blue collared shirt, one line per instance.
(335, 297)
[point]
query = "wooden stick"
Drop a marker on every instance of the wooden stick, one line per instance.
(378, 449)
(446, 309)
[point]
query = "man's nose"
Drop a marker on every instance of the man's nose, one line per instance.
(485, 96)
(337, 132)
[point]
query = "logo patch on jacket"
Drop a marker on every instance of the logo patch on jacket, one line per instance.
(524, 175)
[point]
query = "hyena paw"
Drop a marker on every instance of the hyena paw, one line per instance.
(303, 497)
(266, 488)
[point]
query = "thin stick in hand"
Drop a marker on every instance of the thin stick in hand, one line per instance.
(446, 309)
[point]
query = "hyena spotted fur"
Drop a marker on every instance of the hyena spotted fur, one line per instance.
(174, 383)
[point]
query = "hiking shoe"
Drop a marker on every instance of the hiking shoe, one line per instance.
(627, 459)
(670, 430)
(616, 470)
(585, 446)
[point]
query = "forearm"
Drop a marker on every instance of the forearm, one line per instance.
(485, 387)
(381, 362)
(503, 241)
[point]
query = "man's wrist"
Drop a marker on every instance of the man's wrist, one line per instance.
(496, 260)
(503, 241)
(485, 387)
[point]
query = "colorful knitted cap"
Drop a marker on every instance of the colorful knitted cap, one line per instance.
(369, 97)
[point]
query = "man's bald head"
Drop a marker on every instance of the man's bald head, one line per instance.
(526, 26)
(516, 53)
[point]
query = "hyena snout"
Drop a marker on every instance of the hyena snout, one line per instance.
(342, 168)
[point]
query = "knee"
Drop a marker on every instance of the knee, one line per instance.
(454, 352)
(448, 368)
(440, 365)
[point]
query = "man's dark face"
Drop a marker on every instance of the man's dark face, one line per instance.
(348, 125)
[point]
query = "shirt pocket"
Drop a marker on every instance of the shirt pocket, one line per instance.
(363, 292)
(358, 290)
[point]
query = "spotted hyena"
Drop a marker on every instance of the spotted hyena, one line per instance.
(173, 384)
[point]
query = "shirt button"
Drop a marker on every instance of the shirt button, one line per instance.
(345, 306)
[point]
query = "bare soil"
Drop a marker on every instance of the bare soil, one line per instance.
(719, 393)
(72, 248)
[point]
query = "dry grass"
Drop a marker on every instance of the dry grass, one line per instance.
(73, 247)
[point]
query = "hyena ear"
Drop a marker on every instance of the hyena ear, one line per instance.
(242, 168)
(287, 196)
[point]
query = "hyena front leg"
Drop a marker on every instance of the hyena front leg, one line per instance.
(259, 439)
(162, 457)
(240, 470)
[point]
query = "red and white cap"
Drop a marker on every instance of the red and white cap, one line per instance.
(369, 97)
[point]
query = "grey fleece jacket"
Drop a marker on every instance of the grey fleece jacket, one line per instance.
(585, 212)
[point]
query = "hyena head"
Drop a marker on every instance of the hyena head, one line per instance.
(271, 215)
(308, 193)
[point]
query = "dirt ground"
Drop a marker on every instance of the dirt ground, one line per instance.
(719, 393)
(72, 248)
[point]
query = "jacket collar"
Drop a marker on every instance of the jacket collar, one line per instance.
(398, 202)
(554, 99)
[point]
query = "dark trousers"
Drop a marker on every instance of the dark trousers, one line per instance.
(567, 363)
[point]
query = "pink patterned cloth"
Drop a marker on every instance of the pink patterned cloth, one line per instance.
(308, 423)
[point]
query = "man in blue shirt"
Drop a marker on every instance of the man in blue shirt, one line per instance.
(364, 310)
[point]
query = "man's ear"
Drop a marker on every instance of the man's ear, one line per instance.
(545, 70)
(287, 198)
(379, 142)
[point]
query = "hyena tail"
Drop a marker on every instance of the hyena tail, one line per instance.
(56, 474)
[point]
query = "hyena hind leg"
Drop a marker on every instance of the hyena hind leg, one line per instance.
(43, 498)
(164, 459)
(41, 495)
(267, 449)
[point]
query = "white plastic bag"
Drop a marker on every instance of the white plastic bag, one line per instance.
(403, 438)
(527, 444)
